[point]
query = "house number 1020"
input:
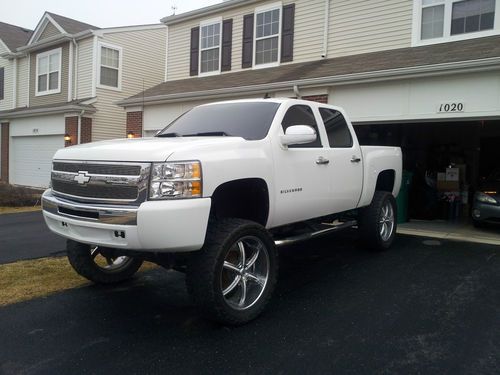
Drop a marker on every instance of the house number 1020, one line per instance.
(451, 107)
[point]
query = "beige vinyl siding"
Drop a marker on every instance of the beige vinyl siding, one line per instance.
(308, 37)
(7, 103)
(143, 66)
(51, 98)
(84, 74)
(360, 26)
(22, 82)
(48, 31)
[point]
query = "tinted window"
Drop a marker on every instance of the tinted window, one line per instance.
(336, 128)
(250, 121)
(301, 115)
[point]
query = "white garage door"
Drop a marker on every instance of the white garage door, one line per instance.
(31, 159)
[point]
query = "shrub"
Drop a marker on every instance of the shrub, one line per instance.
(16, 196)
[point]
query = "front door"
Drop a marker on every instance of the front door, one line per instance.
(302, 188)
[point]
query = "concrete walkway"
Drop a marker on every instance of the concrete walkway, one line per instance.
(441, 229)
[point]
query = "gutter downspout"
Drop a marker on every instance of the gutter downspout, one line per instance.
(75, 75)
(296, 91)
(14, 83)
(326, 29)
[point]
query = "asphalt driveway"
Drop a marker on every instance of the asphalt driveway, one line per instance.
(426, 307)
(25, 236)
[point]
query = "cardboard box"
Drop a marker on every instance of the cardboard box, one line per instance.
(448, 185)
(452, 174)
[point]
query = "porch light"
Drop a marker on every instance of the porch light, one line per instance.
(67, 137)
(130, 135)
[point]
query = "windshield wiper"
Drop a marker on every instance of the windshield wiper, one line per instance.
(208, 134)
(169, 135)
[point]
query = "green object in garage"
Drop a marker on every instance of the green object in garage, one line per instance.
(402, 199)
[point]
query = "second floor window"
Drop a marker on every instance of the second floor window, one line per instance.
(110, 66)
(267, 36)
(450, 18)
(210, 40)
(48, 72)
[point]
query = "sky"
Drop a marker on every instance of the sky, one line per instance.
(100, 13)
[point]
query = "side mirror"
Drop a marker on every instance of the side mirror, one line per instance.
(298, 134)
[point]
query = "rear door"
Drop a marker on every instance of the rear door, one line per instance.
(345, 161)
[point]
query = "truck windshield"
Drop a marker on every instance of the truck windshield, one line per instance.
(249, 120)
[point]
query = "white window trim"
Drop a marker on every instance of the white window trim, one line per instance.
(212, 21)
(38, 57)
(265, 8)
(98, 64)
(447, 37)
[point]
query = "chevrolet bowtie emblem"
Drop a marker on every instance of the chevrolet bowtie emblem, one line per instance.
(82, 177)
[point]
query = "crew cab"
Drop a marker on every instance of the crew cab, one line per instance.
(216, 192)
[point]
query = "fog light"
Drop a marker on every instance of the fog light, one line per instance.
(476, 213)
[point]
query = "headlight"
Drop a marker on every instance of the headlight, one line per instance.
(176, 180)
(485, 198)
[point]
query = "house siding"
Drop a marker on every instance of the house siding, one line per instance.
(48, 31)
(142, 67)
(22, 82)
(362, 26)
(52, 98)
(84, 74)
(308, 37)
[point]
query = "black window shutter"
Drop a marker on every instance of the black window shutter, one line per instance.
(287, 33)
(227, 43)
(195, 48)
(1, 83)
(247, 55)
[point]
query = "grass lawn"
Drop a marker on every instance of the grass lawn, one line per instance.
(25, 280)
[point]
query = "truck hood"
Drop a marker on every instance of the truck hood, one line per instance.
(142, 149)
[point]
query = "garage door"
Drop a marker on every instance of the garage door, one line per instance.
(31, 159)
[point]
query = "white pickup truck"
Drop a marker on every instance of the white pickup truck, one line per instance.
(215, 192)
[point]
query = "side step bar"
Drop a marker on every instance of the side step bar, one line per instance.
(307, 236)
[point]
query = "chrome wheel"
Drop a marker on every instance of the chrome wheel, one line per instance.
(106, 262)
(386, 221)
(245, 273)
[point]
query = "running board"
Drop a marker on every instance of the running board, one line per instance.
(307, 236)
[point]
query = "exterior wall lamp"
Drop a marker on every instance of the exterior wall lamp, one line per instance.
(130, 135)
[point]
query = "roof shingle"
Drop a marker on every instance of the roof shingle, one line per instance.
(70, 25)
(14, 36)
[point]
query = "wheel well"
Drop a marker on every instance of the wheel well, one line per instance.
(244, 199)
(385, 180)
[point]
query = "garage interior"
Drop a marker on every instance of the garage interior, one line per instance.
(429, 150)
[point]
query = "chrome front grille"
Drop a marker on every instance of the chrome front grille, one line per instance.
(103, 182)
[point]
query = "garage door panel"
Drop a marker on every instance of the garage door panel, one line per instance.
(31, 159)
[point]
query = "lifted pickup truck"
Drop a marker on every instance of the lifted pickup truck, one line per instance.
(215, 192)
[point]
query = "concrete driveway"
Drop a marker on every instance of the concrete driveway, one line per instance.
(425, 307)
(25, 236)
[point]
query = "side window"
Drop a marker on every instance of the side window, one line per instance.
(301, 115)
(336, 128)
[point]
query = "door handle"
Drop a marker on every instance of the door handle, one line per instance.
(322, 160)
(355, 159)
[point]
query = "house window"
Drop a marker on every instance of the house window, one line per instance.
(48, 72)
(438, 21)
(267, 35)
(110, 67)
(210, 41)
(472, 15)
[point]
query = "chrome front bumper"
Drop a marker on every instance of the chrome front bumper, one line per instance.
(120, 215)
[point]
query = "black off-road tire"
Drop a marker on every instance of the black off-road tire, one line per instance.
(79, 256)
(369, 222)
(205, 267)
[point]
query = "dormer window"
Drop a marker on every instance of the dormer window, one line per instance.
(48, 72)
(210, 43)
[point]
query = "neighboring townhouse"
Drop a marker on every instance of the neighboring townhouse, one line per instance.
(65, 79)
(421, 74)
